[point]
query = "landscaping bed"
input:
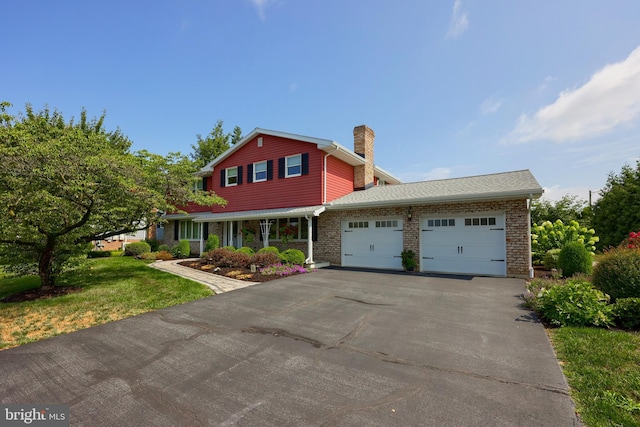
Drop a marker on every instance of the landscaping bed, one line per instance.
(241, 273)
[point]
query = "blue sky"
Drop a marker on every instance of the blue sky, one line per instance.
(451, 88)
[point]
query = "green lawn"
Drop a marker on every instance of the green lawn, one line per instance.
(603, 370)
(113, 288)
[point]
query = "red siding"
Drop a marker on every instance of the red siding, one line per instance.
(305, 190)
(339, 178)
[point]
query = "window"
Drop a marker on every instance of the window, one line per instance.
(480, 221)
(189, 230)
(198, 184)
(386, 224)
(359, 224)
(448, 222)
(260, 171)
(293, 166)
(297, 228)
(231, 176)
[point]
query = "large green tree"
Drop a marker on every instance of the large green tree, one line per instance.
(617, 211)
(216, 143)
(64, 184)
(568, 208)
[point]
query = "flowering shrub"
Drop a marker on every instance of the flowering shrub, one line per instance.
(633, 241)
(283, 270)
(555, 235)
(288, 232)
(576, 303)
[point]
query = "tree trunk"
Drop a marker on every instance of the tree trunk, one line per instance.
(45, 266)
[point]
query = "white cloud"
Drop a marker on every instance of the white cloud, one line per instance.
(436, 173)
(545, 84)
(609, 100)
(459, 21)
(261, 6)
(556, 193)
(491, 105)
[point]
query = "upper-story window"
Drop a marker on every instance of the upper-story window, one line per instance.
(260, 171)
(294, 165)
(231, 176)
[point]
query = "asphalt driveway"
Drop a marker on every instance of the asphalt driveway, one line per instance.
(333, 347)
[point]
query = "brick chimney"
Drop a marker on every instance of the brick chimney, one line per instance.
(363, 145)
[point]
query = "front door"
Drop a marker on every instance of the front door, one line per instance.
(233, 234)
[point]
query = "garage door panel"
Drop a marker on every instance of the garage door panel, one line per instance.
(471, 244)
(372, 243)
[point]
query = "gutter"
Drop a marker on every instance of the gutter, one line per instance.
(324, 184)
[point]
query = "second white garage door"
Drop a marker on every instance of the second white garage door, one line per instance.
(471, 244)
(373, 243)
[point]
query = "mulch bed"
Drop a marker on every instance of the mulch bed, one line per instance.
(233, 273)
(41, 293)
(539, 272)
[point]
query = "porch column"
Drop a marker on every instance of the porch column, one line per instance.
(309, 259)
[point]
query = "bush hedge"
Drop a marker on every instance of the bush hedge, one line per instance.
(153, 243)
(574, 258)
(617, 273)
(265, 259)
(136, 249)
(627, 313)
(576, 303)
(246, 250)
(213, 242)
(181, 250)
(292, 256)
(551, 259)
(271, 249)
(164, 248)
(98, 254)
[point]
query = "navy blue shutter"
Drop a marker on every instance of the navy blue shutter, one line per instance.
(305, 164)
(204, 183)
(239, 175)
(281, 166)
(222, 177)
(269, 170)
(205, 231)
(250, 173)
(176, 230)
(314, 229)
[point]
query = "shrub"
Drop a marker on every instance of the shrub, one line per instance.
(215, 256)
(181, 250)
(246, 250)
(617, 273)
(627, 313)
(555, 235)
(574, 258)
(283, 270)
(236, 260)
(576, 303)
(551, 259)
(136, 249)
(535, 288)
(213, 242)
(153, 243)
(229, 248)
(265, 259)
(270, 249)
(98, 254)
(148, 255)
(292, 256)
(164, 248)
(164, 255)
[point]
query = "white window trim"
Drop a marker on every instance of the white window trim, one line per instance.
(226, 177)
(255, 171)
(276, 226)
(286, 166)
(191, 233)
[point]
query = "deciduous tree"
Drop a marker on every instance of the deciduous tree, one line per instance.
(64, 184)
(216, 143)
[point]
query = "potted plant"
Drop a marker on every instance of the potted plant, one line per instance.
(408, 260)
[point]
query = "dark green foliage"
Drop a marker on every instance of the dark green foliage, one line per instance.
(246, 250)
(567, 209)
(576, 303)
(164, 248)
(574, 258)
(271, 249)
(627, 313)
(618, 273)
(408, 259)
(551, 259)
(99, 254)
(153, 243)
(265, 259)
(136, 249)
(216, 143)
(213, 242)
(292, 256)
(617, 211)
(181, 250)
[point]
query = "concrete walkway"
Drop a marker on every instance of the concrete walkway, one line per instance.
(217, 283)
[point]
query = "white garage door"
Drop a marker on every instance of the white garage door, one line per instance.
(471, 244)
(373, 243)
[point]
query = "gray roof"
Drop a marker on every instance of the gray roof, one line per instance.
(506, 185)
(258, 214)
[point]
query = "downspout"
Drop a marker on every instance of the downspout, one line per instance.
(201, 238)
(324, 184)
(309, 219)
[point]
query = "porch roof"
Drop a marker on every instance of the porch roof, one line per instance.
(257, 214)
